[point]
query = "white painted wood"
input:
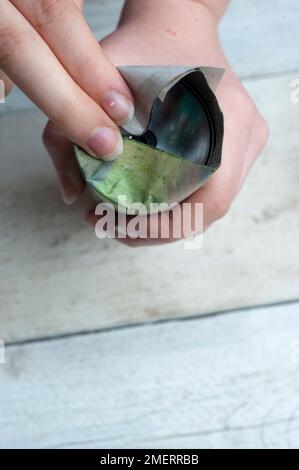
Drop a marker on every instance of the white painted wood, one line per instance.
(230, 381)
(57, 277)
(103, 15)
(227, 381)
(259, 37)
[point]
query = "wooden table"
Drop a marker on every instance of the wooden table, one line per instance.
(161, 347)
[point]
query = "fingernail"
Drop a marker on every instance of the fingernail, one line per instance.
(68, 189)
(119, 107)
(106, 143)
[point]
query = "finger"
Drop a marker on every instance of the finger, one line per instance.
(155, 229)
(61, 151)
(6, 85)
(45, 81)
(214, 199)
(257, 141)
(218, 194)
(93, 219)
(62, 25)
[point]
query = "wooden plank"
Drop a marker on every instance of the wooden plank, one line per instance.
(103, 15)
(57, 277)
(259, 36)
(229, 381)
(251, 31)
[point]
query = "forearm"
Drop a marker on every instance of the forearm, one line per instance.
(175, 25)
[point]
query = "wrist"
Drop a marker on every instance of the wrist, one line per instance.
(186, 35)
(216, 7)
(163, 8)
(169, 15)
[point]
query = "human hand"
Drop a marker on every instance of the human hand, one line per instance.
(172, 34)
(48, 50)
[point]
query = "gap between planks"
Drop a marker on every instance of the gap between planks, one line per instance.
(129, 326)
(230, 382)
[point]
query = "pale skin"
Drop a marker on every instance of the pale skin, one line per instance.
(48, 50)
(150, 32)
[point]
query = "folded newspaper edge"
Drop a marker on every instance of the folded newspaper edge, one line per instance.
(144, 174)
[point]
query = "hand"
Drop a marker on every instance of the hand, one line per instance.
(48, 50)
(173, 33)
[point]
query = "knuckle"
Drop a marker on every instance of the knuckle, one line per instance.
(49, 136)
(245, 108)
(85, 68)
(10, 44)
(239, 102)
(53, 140)
(62, 114)
(52, 136)
(250, 119)
(79, 4)
(264, 131)
(222, 205)
(45, 12)
(261, 134)
(5, 85)
(7, 88)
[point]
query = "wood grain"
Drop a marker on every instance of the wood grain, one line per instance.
(228, 381)
(231, 381)
(56, 277)
(260, 37)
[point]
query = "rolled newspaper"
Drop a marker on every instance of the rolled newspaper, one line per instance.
(172, 145)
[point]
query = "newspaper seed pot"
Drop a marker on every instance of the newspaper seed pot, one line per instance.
(171, 147)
